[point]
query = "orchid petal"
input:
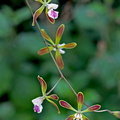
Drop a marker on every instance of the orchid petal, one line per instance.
(52, 6)
(37, 14)
(59, 33)
(59, 59)
(84, 117)
(71, 117)
(51, 20)
(45, 50)
(45, 35)
(66, 105)
(54, 105)
(92, 108)
(53, 96)
(80, 99)
(69, 46)
(116, 113)
(43, 84)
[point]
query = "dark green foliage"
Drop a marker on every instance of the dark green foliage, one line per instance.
(93, 67)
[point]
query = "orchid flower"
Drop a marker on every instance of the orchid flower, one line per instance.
(50, 13)
(39, 100)
(78, 113)
(57, 47)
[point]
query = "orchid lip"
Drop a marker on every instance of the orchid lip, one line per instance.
(53, 14)
(37, 109)
(38, 104)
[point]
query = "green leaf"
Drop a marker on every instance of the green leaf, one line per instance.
(106, 69)
(83, 78)
(93, 16)
(92, 96)
(21, 15)
(117, 16)
(6, 75)
(24, 89)
(29, 43)
(5, 25)
(7, 111)
(23, 116)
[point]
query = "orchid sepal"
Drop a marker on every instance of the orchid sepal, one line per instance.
(53, 96)
(51, 20)
(66, 105)
(92, 108)
(40, 1)
(43, 85)
(80, 100)
(69, 45)
(37, 14)
(46, 36)
(45, 50)
(59, 33)
(59, 59)
(54, 104)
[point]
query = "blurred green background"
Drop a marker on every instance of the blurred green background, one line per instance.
(93, 67)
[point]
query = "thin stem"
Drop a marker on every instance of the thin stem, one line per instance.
(104, 111)
(60, 72)
(53, 87)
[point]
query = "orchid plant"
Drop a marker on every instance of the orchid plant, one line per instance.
(58, 60)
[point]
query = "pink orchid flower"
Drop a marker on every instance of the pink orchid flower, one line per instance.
(57, 47)
(78, 113)
(39, 100)
(50, 13)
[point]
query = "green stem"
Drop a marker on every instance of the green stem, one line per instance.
(106, 110)
(53, 87)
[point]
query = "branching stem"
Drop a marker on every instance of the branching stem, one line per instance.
(53, 87)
